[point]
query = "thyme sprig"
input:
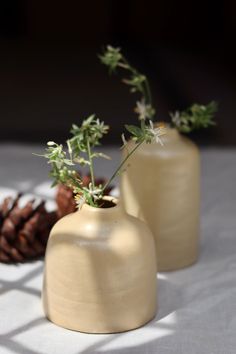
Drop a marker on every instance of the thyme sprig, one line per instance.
(114, 59)
(80, 150)
(84, 139)
(195, 117)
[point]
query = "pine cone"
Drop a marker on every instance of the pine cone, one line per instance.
(65, 197)
(23, 231)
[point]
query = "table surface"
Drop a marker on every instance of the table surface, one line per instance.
(197, 305)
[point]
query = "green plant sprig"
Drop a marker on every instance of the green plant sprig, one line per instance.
(84, 139)
(145, 132)
(195, 117)
(80, 150)
(114, 59)
(138, 82)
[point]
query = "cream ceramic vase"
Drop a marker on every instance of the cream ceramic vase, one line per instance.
(100, 272)
(161, 187)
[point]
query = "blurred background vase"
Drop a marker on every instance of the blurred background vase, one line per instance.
(100, 271)
(161, 186)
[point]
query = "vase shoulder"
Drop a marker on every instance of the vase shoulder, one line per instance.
(174, 145)
(82, 231)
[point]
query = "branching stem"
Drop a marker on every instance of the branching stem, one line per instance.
(146, 89)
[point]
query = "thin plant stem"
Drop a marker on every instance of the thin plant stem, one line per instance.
(76, 183)
(91, 164)
(121, 165)
(149, 95)
(123, 66)
(146, 90)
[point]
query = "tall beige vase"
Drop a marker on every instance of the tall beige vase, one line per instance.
(161, 187)
(100, 272)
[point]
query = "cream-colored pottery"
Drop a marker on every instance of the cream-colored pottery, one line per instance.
(100, 272)
(161, 187)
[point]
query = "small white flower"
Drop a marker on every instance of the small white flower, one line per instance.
(51, 143)
(95, 193)
(176, 118)
(157, 132)
(141, 109)
(144, 110)
(80, 200)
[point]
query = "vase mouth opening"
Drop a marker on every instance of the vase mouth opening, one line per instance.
(162, 124)
(166, 125)
(170, 131)
(107, 203)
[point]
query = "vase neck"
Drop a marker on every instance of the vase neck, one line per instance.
(103, 213)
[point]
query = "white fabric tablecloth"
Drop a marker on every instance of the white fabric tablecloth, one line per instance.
(197, 305)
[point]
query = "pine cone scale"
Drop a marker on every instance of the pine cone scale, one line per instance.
(8, 229)
(23, 231)
(4, 245)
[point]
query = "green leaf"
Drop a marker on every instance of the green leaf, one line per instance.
(68, 162)
(54, 184)
(88, 121)
(111, 57)
(134, 130)
(100, 154)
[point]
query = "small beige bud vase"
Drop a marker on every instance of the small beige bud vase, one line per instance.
(161, 187)
(100, 271)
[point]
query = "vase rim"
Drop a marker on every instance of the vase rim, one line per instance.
(166, 125)
(113, 208)
(170, 131)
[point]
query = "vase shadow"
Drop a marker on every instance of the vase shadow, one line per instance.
(170, 299)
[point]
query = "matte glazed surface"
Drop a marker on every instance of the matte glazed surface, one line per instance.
(161, 187)
(100, 272)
